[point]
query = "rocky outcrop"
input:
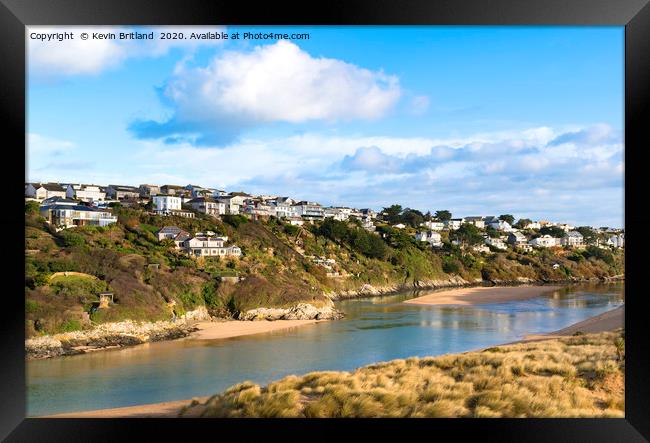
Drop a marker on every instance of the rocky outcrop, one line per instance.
(368, 290)
(112, 335)
(301, 311)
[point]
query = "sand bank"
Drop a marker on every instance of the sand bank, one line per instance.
(168, 409)
(236, 328)
(607, 321)
(481, 295)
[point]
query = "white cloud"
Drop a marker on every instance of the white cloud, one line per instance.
(56, 58)
(280, 82)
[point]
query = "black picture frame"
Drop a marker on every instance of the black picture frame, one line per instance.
(633, 14)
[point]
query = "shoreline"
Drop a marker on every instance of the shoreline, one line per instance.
(607, 321)
(481, 295)
(60, 345)
(239, 328)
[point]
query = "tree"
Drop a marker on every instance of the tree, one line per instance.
(392, 213)
(508, 218)
(412, 217)
(553, 231)
(467, 235)
(31, 207)
(522, 223)
(443, 215)
(588, 234)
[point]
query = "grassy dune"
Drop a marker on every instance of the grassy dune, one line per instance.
(579, 376)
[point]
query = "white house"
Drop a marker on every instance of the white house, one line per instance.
(208, 205)
(566, 227)
(544, 241)
(500, 225)
(573, 239)
(434, 225)
(399, 226)
(59, 201)
(70, 216)
(42, 191)
(517, 238)
(87, 193)
(453, 223)
(617, 241)
(338, 213)
(432, 237)
(309, 210)
(533, 225)
(496, 242)
(476, 221)
(163, 203)
(210, 246)
(285, 209)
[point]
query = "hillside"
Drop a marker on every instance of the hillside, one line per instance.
(151, 281)
(581, 376)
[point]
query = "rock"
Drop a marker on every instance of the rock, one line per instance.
(301, 311)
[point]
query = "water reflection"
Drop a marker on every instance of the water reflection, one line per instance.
(375, 329)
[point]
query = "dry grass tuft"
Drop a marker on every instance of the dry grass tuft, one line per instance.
(579, 376)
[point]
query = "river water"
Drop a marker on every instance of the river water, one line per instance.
(374, 329)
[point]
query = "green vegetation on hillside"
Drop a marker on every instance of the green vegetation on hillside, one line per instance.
(278, 266)
(581, 376)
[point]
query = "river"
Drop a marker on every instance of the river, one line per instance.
(374, 329)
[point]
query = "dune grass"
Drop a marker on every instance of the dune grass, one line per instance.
(580, 376)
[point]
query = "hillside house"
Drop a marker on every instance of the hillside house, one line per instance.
(87, 193)
(208, 205)
(500, 225)
(149, 190)
(434, 225)
(476, 221)
(496, 242)
(573, 239)
(617, 241)
(544, 241)
(453, 224)
(121, 192)
(70, 216)
(210, 246)
(432, 237)
(42, 191)
(309, 210)
(517, 239)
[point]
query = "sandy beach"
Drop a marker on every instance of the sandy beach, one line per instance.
(607, 321)
(236, 328)
(481, 295)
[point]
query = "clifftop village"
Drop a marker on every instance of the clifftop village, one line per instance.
(67, 205)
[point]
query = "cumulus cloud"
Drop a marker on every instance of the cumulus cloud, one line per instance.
(54, 58)
(279, 82)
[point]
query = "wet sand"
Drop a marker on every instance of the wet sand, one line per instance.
(236, 328)
(607, 321)
(481, 295)
(168, 409)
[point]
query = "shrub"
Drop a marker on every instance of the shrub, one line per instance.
(600, 254)
(71, 239)
(70, 326)
(234, 220)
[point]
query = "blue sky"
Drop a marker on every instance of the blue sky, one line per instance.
(477, 120)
